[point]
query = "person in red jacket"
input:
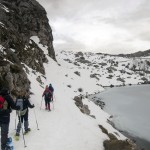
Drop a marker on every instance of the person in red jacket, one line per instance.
(5, 111)
(48, 98)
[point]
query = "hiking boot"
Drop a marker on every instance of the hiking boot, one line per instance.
(26, 131)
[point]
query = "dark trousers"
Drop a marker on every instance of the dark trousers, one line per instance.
(4, 135)
(23, 118)
(47, 103)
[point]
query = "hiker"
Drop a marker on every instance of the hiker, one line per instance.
(51, 88)
(24, 103)
(48, 96)
(6, 104)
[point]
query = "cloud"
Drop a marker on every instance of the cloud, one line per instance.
(115, 26)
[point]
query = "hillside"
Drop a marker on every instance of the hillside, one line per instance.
(28, 63)
(107, 70)
(67, 126)
(137, 54)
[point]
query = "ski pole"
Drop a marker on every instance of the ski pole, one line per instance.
(36, 120)
(41, 103)
(22, 130)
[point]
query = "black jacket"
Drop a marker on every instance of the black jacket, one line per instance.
(5, 113)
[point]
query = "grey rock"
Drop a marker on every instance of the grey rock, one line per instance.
(21, 20)
(78, 101)
(85, 109)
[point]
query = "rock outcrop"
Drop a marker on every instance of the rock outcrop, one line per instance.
(20, 22)
(13, 77)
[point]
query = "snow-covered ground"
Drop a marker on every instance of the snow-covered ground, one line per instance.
(106, 69)
(65, 127)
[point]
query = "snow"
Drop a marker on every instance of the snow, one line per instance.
(37, 41)
(1, 47)
(65, 127)
(1, 24)
(4, 7)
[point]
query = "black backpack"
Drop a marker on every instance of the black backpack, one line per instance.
(48, 94)
(51, 88)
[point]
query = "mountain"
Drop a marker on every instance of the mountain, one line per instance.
(28, 63)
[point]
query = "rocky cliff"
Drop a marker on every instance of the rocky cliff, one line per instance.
(20, 20)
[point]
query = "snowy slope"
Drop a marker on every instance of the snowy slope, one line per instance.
(65, 127)
(107, 69)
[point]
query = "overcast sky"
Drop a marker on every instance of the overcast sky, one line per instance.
(110, 26)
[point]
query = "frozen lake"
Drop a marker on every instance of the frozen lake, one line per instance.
(130, 107)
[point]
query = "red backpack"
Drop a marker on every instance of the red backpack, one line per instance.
(2, 100)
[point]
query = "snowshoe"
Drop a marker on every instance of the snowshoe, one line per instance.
(16, 137)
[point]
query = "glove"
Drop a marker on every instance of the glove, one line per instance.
(33, 106)
(17, 107)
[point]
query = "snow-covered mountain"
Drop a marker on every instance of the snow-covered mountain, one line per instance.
(28, 63)
(107, 70)
(68, 126)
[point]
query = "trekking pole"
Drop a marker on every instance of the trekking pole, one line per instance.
(22, 130)
(53, 105)
(41, 103)
(36, 120)
(15, 121)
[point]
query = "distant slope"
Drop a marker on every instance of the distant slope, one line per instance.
(137, 54)
(107, 70)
